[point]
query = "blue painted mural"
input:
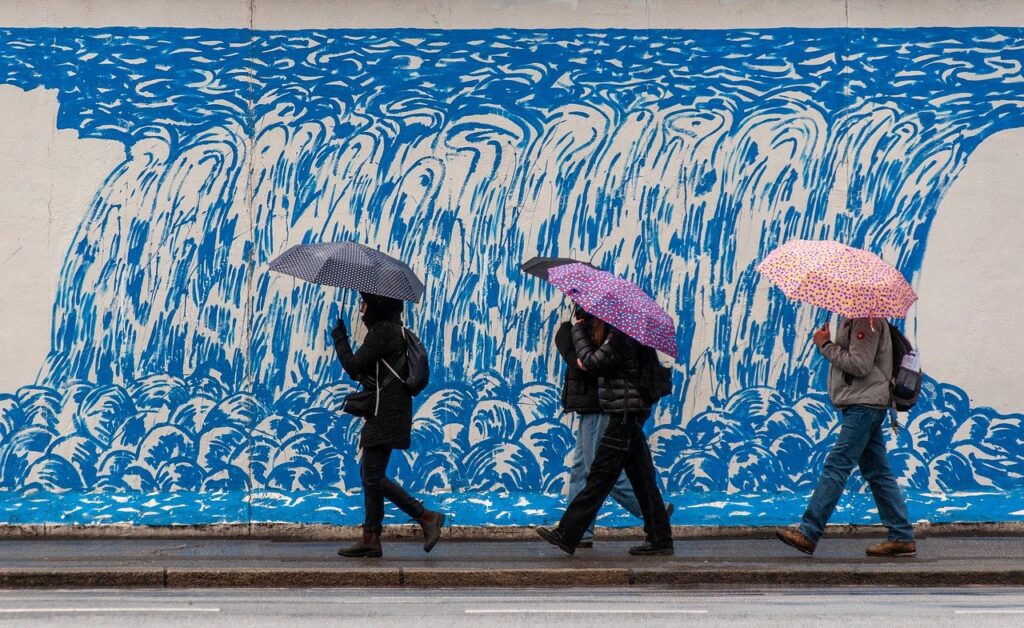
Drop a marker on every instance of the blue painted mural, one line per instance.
(186, 384)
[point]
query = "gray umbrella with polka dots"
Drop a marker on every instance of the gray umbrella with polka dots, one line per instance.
(350, 265)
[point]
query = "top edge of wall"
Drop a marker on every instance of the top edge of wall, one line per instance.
(483, 14)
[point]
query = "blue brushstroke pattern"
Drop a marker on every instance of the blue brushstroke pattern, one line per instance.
(188, 384)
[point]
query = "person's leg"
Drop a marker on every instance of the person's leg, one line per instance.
(589, 431)
(604, 472)
(639, 468)
(580, 463)
(623, 492)
(371, 472)
(378, 484)
(853, 438)
(589, 428)
(874, 466)
(395, 493)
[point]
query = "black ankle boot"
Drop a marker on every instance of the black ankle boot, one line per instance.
(555, 538)
(431, 522)
(650, 549)
(367, 547)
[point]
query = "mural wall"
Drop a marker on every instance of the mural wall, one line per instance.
(187, 384)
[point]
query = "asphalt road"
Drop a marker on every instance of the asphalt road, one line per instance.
(971, 607)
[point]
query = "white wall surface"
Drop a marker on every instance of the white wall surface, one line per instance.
(48, 177)
(972, 282)
(633, 14)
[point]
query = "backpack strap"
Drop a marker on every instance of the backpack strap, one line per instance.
(390, 368)
(393, 371)
(376, 382)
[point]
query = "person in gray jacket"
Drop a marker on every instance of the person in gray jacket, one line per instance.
(859, 385)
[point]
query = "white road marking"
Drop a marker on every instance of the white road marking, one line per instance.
(993, 611)
(570, 611)
(100, 609)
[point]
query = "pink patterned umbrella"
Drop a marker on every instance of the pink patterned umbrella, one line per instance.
(841, 279)
(618, 302)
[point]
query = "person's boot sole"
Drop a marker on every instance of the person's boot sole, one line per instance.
(899, 555)
(665, 551)
(429, 545)
(367, 554)
(785, 540)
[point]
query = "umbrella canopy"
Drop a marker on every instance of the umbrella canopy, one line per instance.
(618, 302)
(539, 266)
(848, 281)
(350, 265)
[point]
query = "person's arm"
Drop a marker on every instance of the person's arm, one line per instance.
(563, 342)
(361, 363)
(859, 358)
(594, 360)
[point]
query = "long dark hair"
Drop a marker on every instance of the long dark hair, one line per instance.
(598, 330)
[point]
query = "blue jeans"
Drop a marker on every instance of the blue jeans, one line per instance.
(862, 443)
(589, 429)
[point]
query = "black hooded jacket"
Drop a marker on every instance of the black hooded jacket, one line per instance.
(617, 366)
(579, 392)
(392, 425)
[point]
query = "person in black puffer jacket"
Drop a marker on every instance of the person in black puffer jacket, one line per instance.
(389, 428)
(580, 396)
(614, 358)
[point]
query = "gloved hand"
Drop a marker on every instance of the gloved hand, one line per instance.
(340, 331)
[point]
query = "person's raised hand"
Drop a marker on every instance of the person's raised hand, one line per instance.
(822, 335)
(339, 331)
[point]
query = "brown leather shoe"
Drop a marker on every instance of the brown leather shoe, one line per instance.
(431, 522)
(367, 547)
(796, 539)
(893, 549)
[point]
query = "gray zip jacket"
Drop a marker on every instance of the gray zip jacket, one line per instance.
(861, 359)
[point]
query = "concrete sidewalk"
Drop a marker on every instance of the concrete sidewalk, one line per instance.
(88, 563)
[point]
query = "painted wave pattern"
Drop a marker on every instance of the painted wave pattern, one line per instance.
(676, 158)
(167, 435)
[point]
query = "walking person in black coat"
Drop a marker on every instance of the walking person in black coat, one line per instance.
(389, 426)
(614, 358)
(580, 397)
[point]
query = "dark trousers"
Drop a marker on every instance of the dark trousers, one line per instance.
(623, 448)
(376, 486)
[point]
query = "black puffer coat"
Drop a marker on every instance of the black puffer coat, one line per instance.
(392, 426)
(579, 393)
(617, 366)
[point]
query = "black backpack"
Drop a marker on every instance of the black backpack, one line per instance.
(906, 382)
(417, 363)
(655, 379)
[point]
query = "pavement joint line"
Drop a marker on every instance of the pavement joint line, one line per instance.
(582, 611)
(115, 609)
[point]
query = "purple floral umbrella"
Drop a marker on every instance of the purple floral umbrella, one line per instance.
(618, 302)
